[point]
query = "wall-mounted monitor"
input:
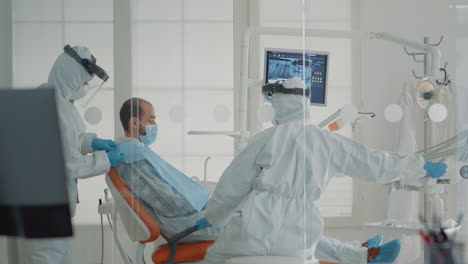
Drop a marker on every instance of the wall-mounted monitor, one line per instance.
(282, 64)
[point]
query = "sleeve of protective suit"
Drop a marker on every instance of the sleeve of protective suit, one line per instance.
(356, 160)
(85, 166)
(86, 140)
(235, 184)
(335, 251)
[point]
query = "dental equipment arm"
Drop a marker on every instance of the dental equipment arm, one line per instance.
(348, 113)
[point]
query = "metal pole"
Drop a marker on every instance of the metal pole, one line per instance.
(123, 77)
(427, 144)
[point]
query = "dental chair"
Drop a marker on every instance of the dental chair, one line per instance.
(141, 228)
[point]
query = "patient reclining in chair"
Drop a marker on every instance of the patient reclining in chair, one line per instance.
(170, 197)
(175, 201)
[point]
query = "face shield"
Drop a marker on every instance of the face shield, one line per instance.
(94, 70)
(92, 90)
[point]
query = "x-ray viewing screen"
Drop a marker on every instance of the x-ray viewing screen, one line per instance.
(281, 64)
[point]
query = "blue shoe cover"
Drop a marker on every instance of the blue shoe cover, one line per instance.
(388, 252)
(375, 241)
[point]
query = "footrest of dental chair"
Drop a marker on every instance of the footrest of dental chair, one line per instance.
(185, 252)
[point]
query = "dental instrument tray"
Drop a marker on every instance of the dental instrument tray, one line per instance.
(407, 228)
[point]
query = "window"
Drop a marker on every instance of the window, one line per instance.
(183, 65)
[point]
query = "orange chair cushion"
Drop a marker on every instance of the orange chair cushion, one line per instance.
(185, 252)
(136, 206)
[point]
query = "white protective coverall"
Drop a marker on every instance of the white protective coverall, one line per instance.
(264, 201)
(68, 77)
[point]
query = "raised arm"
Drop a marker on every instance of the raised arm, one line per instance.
(354, 159)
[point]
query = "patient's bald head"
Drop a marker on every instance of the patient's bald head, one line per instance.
(136, 113)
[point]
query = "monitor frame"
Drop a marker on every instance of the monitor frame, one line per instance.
(265, 72)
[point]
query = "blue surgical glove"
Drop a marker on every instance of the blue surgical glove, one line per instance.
(116, 157)
(374, 242)
(103, 144)
(388, 252)
(435, 169)
(202, 223)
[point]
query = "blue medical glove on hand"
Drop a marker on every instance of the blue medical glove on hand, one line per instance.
(202, 223)
(388, 252)
(116, 157)
(103, 144)
(374, 242)
(435, 169)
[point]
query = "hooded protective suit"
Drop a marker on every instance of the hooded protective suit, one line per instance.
(264, 201)
(68, 78)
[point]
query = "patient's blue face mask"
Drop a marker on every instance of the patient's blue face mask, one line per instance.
(151, 135)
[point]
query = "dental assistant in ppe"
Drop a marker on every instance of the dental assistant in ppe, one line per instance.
(264, 203)
(85, 154)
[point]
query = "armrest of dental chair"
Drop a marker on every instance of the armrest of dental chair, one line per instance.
(193, 251)
(173, 241)
(186, 253)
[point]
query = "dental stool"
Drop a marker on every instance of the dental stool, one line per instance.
(268, 260)
(141, 228)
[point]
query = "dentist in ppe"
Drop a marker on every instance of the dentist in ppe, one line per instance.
(264, 203)
(85, 154)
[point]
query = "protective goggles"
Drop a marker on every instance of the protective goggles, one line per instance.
(277, 87)
(90, 66)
